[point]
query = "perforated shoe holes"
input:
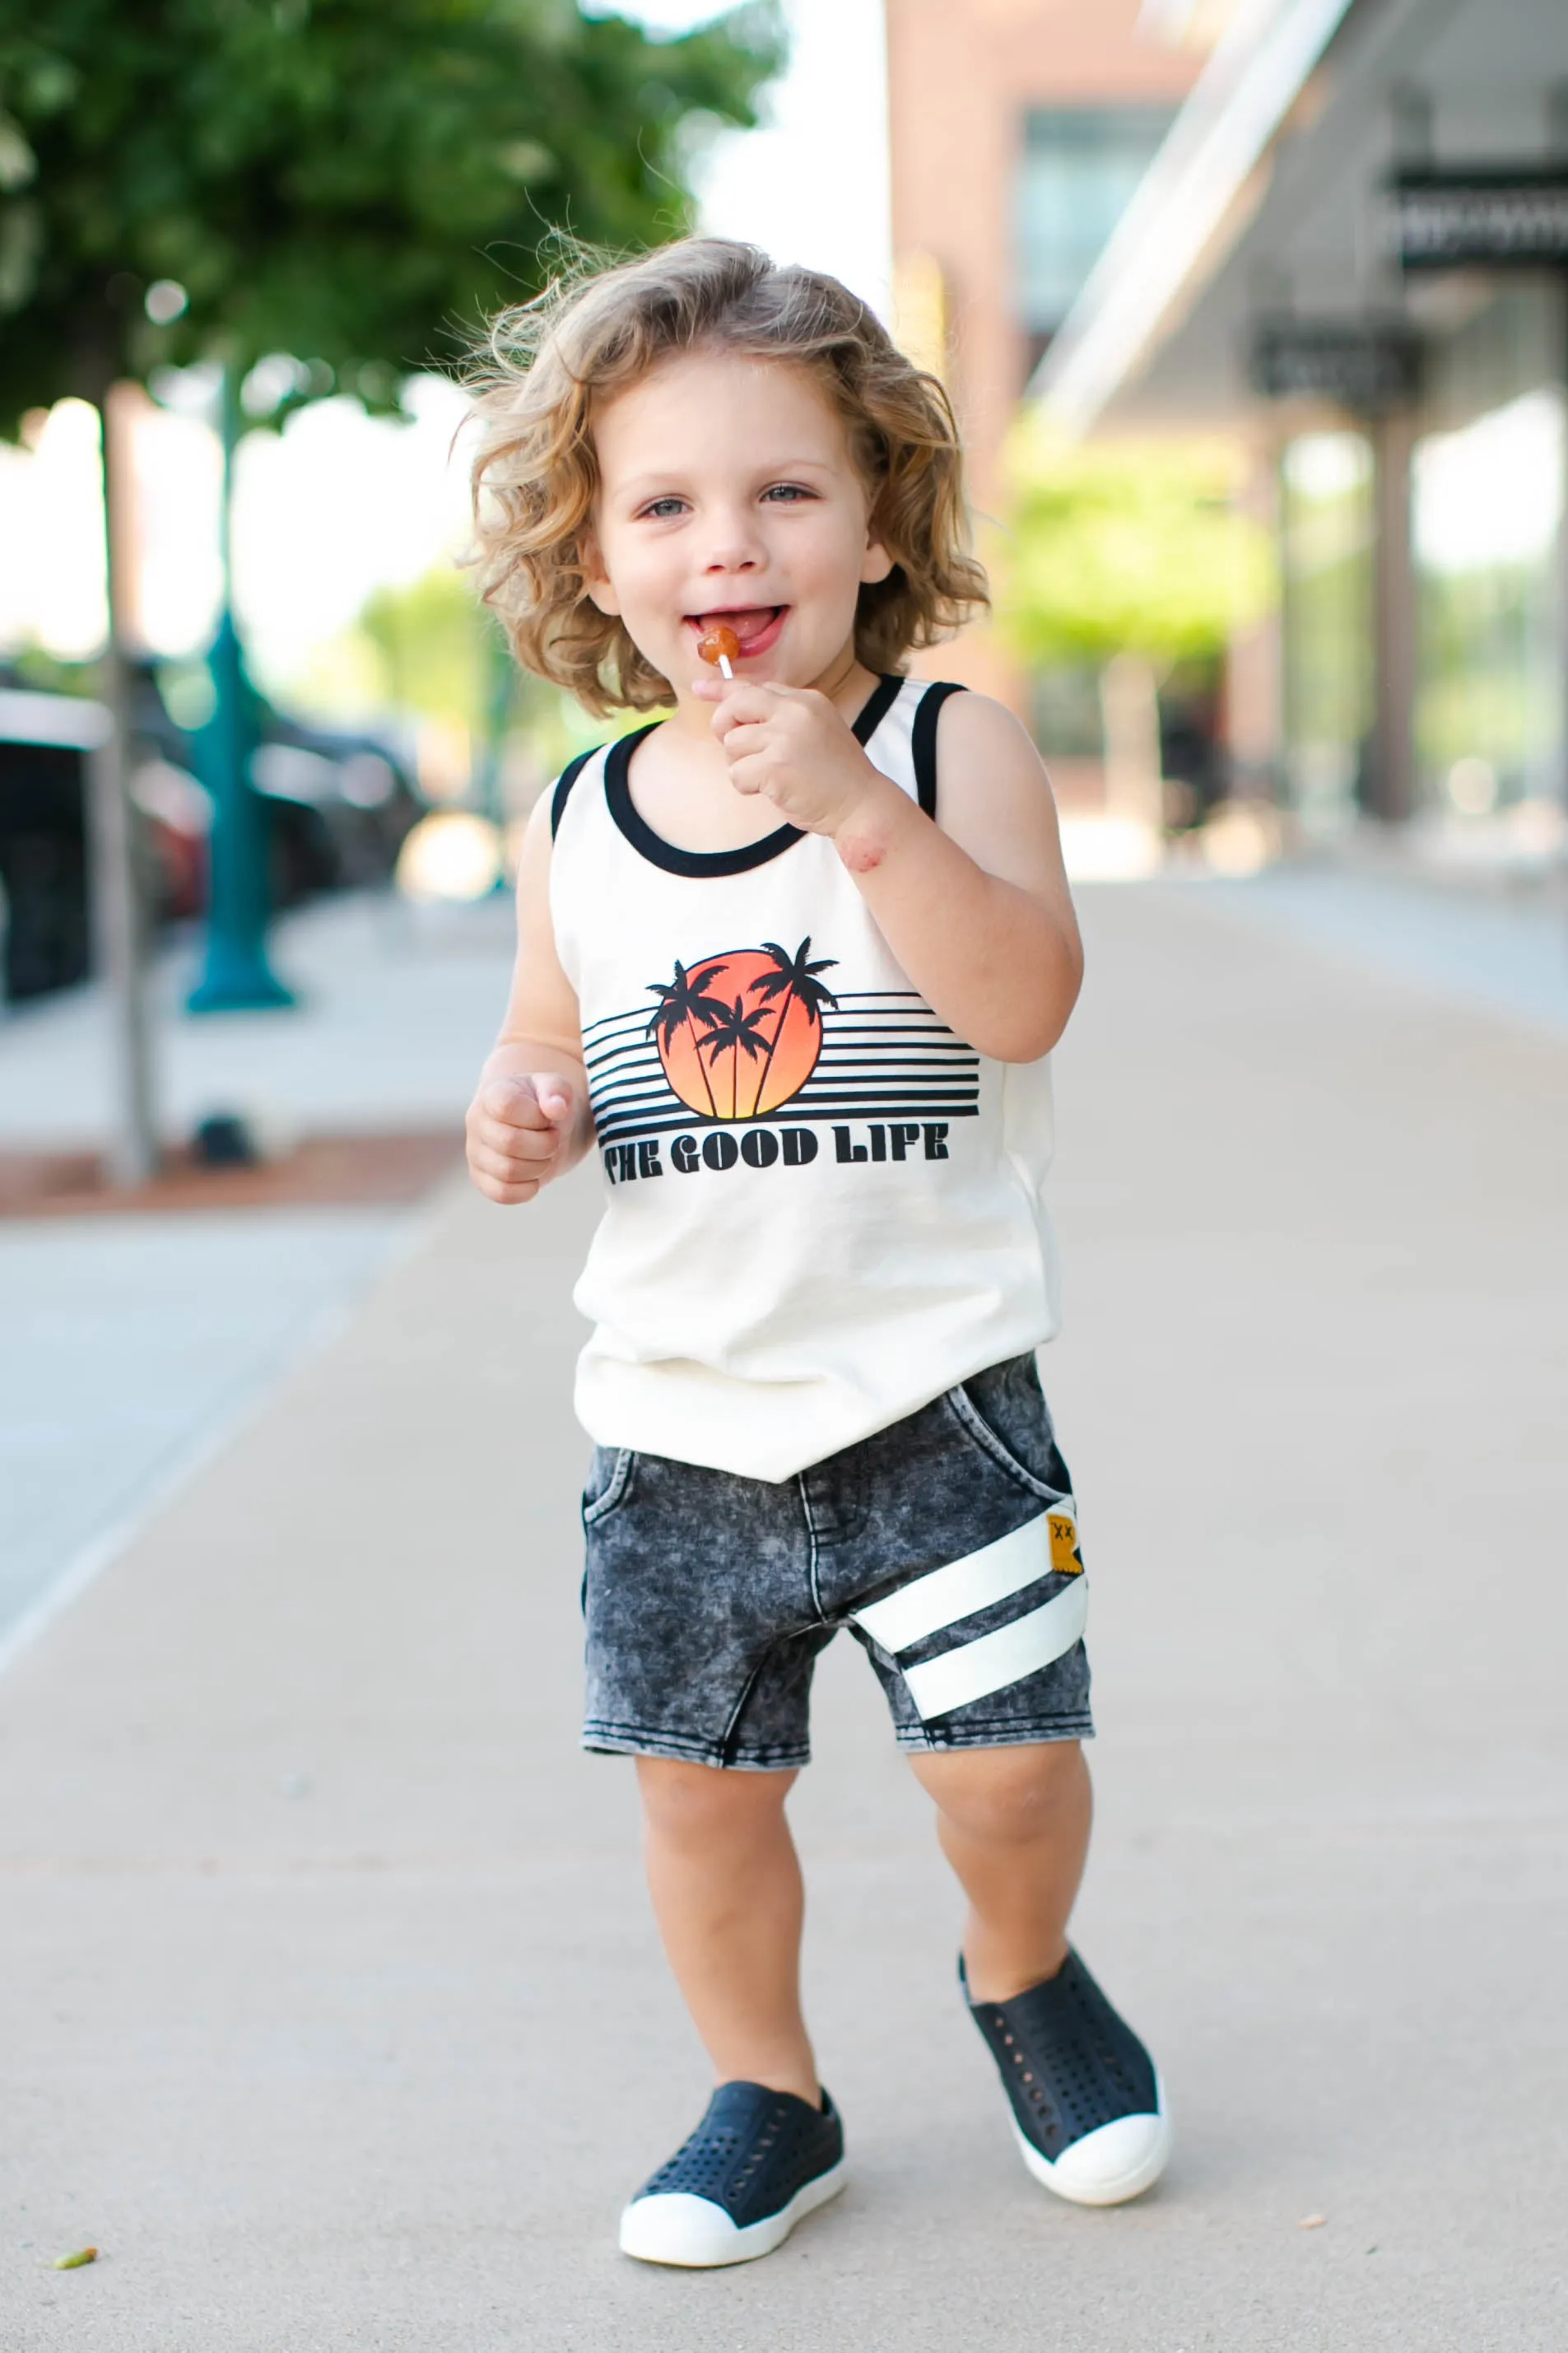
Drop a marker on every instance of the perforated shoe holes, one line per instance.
(1068, 2063)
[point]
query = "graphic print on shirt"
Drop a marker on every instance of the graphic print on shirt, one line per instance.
(761, 1003)
(747, 1034)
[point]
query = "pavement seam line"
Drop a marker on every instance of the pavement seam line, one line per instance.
(186, 1464)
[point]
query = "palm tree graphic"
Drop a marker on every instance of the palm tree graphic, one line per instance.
(793, 979)
(735, 1031)
(686, 1000)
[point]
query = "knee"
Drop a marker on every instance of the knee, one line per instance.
(697, 1805)
(1010, 1797)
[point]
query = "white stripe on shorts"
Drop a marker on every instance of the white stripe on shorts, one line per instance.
(993, 1660)
(944, 1595)
(940, 1599)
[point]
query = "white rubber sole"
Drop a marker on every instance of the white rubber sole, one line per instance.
(1106, 2167)
(677, 2228)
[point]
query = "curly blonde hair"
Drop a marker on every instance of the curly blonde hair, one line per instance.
(598, 329)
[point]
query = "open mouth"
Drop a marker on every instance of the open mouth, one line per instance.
(756, 626)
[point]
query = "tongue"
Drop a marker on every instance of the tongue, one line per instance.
(747, 624)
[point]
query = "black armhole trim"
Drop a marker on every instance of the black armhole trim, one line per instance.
(564, 784)
(876, 707)
(922, 741)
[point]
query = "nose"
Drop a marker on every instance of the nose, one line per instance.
(734, 544)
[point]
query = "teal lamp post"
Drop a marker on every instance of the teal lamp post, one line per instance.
(235, 975)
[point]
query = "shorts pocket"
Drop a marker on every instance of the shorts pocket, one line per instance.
(1004, 1413)
(609, 1483)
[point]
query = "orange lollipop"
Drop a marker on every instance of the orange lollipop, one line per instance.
(721, 647)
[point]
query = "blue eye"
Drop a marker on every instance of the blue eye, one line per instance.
(658, 509)
(782, 491)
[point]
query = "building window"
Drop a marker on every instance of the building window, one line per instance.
(1486, 511)
(1080, 167)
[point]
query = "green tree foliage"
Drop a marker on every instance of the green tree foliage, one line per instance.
(1126, 549)
(354, 183)
(432, 648)
(348, 186)
(432, 641)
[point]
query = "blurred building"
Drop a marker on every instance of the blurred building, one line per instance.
(1018, 129)
(1353, 248)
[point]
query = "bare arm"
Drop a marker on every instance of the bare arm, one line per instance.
(976, 907)
(529, 1119)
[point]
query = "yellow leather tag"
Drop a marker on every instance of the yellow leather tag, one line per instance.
(1066, 1559)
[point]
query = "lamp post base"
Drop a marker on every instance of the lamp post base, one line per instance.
(238, 982)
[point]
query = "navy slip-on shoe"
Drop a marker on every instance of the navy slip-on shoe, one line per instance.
(758, 2161)
(1089, 2108)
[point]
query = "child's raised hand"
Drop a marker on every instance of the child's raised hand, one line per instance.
(791, 744)
(518, 1131)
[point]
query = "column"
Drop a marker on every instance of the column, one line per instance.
(1391, 784)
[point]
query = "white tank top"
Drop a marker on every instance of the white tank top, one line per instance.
(823, 1206)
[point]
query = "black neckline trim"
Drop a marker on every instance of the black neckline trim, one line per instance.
(699, 864)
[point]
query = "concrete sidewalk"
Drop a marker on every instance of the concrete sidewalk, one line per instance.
(385, 989)
(332, 2009)
(133, 1340)
(1501, 952)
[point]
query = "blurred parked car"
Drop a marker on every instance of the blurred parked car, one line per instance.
(339, 806)
(43, 741)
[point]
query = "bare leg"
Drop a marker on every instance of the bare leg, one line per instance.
(1014, 1823)
(726, 1887)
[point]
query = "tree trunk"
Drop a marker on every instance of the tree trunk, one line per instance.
(1129, 717)
(119, 921)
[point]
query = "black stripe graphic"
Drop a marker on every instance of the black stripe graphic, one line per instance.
(622, 1132)
(619, 1070)
(640, 1016)
(885, 1057)
(859, 1102)
(848, 1086)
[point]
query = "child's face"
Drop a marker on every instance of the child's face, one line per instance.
(728, 491)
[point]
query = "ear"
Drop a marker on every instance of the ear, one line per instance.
(596, 579)
(877, 562)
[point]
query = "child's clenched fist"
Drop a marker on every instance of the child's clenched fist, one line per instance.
(520, 1130)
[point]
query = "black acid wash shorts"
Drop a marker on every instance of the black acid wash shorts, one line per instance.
(947, 1545)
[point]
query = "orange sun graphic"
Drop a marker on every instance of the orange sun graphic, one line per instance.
(739, 1033)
